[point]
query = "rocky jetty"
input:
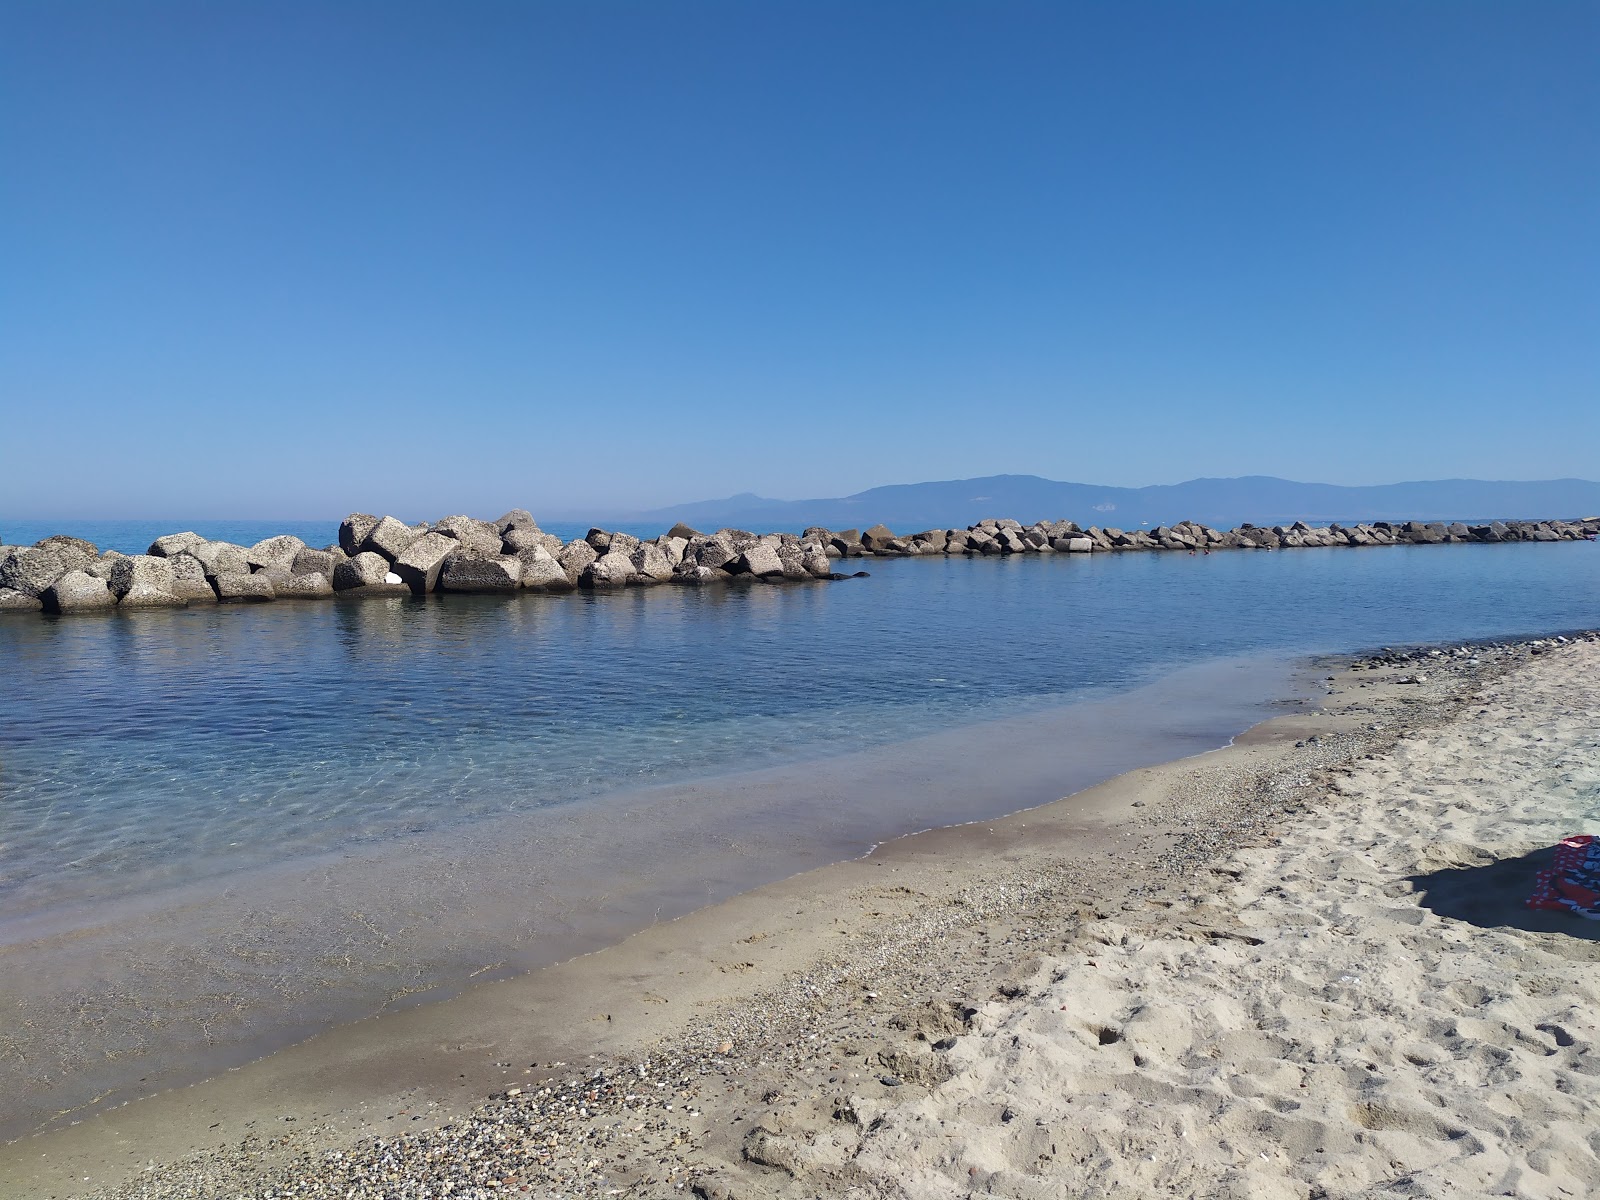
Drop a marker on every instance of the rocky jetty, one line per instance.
(383, 556)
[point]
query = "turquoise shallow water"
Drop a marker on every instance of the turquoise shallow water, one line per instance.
(223, 829)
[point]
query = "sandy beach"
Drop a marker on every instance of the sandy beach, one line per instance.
(1297, 967)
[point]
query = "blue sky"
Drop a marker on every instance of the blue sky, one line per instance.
(260, 259)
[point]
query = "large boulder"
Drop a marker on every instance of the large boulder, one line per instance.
(815, 561)
(77, 552)
(317, 562)
(793, 560)
(354, 531)
(306, 585)
(422, 561)
(691, 574)
(1080, 545)
(523, 537)
(102, 567)
(221, 558)
(650, 562)
(687, 532)
(12, 600)
(759, 560)
(141, 571)
(187, 566)
(76, 592)
(274, 553)
(672, 547)
(173, 543)
(877, 538)
(517, 518)
(466, 571)
(480, 537)
(575, 558)
(624, 543)
(714, 552)
(143, 595)
(366, 569)
(542, 573)
(599, 540)
(193, 591)
(608, 572)
(390, 538)
(243, 587)
(31, 571)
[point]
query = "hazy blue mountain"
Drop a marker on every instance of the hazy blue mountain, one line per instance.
(1260, 499)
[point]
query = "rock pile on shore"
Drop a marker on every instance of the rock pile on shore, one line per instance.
(377, 556)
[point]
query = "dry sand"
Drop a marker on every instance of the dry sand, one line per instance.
(1294, 967)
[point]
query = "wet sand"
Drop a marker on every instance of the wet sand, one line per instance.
(771, 1007)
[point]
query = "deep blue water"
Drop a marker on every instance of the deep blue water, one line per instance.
(152, 748)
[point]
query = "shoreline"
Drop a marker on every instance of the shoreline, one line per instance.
(525, 891)
(622, 1000)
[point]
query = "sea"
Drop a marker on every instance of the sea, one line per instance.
(223, 830)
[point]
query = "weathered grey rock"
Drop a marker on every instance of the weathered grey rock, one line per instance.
(672, 547)
(390, 538)
(522, 537)
(793, 560)
(317, 562)
(187, 566)
(102, 567)
(517, 518)
(759, 560)
(142, 595)
(193, 591)
(144, 571)
(366, 569)
(575, 558)
(422, 561)
(687, 532)
(814, 559)
(649, 561)
(715, 552)
(478, 536)
(173, 543)
(740, 539)
(1080, 545)
(12, 600)
(466, 571)
(354, 531)
(221, 558)
(541, 572)
(692, 574)
(77, 592)
(275, 552)
(242, 587)
(599, 540)
(307, 585)
(624, 543)
(608, 572)
(76, 551)
(31, 570)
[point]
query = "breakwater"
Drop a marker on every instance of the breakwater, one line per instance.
(383, 556)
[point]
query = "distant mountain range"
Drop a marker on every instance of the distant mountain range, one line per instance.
(1259, 499)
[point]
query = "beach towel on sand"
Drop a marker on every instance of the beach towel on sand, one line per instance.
(1572, 884)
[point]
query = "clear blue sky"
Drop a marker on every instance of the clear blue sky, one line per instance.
(267, 259)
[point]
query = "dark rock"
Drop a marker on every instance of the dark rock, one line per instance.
(354, 531)
(366, 569)
(317, 562)
(599, 540)
(31, 571)
(877, 538)
(466, 571)
(687, 533)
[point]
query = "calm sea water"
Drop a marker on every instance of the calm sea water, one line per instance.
(145, 749)
(156, 760)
